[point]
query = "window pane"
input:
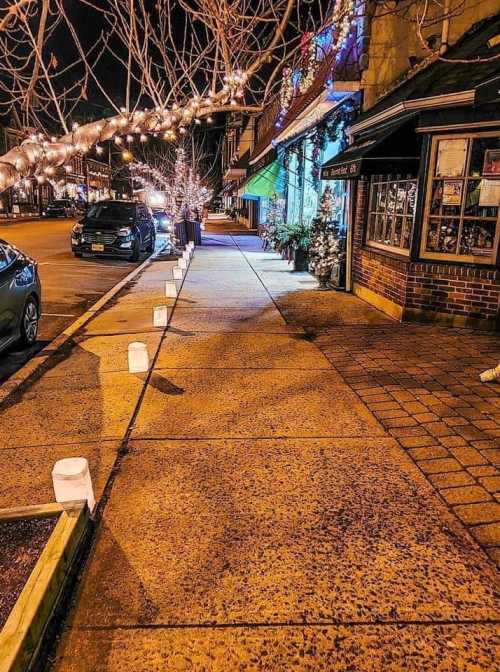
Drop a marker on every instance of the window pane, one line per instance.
(408, 224)
(388, 230)
(400, 197)
(392, 193)
(398, 232)
(481, 197)
(412, 197)
(379, 227)
(442, 235)
(477, 237)
(451, 157)
(479, 153)
(437, 197)
(3, 259)
(381, 198)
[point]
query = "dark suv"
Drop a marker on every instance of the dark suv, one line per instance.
(114, 228)
(20, 297)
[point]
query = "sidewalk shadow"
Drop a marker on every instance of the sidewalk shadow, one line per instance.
(161, 384)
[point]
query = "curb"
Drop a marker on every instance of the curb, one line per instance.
(22, 375)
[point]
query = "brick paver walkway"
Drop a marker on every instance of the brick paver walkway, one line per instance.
(422, 383)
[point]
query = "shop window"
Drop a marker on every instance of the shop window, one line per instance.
(391, 212)
(461, 221)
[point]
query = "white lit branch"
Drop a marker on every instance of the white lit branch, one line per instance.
(174, 63)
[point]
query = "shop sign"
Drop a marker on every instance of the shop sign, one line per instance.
(344, 171)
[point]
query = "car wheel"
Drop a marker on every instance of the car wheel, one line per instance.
(77, 254)
(136, 252)
(29, 322)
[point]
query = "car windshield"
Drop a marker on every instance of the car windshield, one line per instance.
(118, 211)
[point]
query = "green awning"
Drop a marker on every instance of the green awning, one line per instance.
(266, 182)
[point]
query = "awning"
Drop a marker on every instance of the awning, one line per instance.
(239, 168)
(391, 149)
(266, 182)
(314, 114)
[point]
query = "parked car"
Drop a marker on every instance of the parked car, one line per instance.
(162, 220)
(20, 297)
(60, 208)
(114, 228)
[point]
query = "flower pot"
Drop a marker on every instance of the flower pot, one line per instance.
(323, 280)
(300, 262)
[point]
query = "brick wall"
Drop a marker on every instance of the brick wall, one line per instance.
(454, 289)
(448, 288)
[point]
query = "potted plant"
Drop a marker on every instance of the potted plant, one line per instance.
(294, 240)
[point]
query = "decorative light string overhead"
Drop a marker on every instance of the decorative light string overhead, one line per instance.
(38, 154)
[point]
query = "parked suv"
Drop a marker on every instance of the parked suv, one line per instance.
(20, 297)
(114, 228)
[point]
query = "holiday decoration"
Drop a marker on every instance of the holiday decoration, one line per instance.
(310, 64)
(325, 247)
(270, 232)
(184, 193)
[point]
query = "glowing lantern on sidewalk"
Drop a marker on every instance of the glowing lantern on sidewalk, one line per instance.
(170, 289)
(160, 316)
(138, 360)
(72, 482)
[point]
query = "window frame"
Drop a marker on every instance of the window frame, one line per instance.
(465, 178)
(387, 179)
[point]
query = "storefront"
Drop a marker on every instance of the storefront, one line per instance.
(264, 192)
(424, 167)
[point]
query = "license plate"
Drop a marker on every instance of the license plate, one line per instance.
(97, 247)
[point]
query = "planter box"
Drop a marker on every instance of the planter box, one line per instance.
(23, 631)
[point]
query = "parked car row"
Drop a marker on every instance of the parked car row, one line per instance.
(63, 207)
(108, 228)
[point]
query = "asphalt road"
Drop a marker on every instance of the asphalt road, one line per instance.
(69, 285)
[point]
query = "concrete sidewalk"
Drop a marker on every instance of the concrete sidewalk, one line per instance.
(265, 514)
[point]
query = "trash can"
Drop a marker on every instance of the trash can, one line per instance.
(193, 231)
(180, 233)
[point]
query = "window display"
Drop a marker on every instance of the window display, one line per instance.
(392, 210)
(462, 214)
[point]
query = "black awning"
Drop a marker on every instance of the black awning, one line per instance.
(391, 149)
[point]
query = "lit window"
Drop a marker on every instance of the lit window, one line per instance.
(391, 212)
(461, 220)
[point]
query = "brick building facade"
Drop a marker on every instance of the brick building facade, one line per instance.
(423, 168)
(464, 295)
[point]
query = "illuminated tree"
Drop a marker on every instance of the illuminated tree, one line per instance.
(175, 63)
